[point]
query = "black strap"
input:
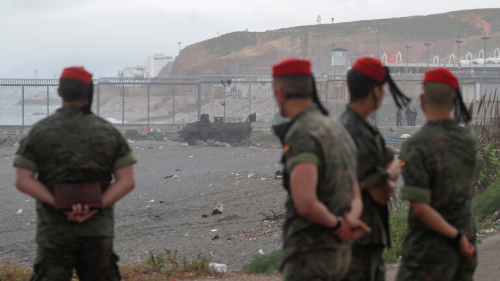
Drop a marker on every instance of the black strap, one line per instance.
(87, 109)
(400, 99)
(316, 100)
(461, 111)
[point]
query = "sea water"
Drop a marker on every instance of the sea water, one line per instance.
(12, 114)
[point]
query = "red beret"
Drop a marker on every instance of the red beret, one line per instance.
(371, 67)
(77, 73)
(292, 66)
(441, 75)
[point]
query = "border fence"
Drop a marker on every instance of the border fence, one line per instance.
(177, 100)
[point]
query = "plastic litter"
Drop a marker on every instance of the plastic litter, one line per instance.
(191, 156)
(219, 209)
(151, 201)
(218, 267)
(168, 176)
(19, 212)
(214, 230)
(261, 251)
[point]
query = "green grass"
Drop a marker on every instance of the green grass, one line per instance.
(487, 203)
(398, 223)
(265, 264)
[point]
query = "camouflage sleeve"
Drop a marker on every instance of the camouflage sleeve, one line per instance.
(124, 156)
(389, 155)
(415, 175)
(300, 147)
(371, 172)
(25, 156)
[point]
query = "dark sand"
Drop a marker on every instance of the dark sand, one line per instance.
(213, 175)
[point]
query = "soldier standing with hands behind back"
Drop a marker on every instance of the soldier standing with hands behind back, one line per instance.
(323, 203)
(66, 162)
(438, 165)
(377, 169)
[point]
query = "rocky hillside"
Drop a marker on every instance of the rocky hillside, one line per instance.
(254, 52)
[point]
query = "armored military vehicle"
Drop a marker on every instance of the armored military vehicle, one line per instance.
(217, 130)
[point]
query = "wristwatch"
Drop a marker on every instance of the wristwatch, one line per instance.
(456, 241)
(339, 224)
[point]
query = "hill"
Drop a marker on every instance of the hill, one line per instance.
(245, 52)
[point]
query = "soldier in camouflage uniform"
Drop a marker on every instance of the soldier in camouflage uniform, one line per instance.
(74, 144)
(377, 169)
(438, 165)
(323, 202)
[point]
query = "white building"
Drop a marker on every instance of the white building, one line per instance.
(131, 72)
(155, 63)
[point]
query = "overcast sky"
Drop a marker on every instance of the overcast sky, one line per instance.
(107, 35)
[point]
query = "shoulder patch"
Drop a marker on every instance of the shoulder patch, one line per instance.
(286, 148)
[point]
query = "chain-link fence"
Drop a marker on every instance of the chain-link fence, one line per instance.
(180, 100)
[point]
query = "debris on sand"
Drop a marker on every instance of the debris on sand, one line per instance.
(270, 226)
(278, 174)
(219, 209)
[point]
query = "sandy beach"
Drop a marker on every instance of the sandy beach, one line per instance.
(241, 178)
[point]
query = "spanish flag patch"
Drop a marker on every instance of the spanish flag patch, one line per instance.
(402, 163)
(286, 148)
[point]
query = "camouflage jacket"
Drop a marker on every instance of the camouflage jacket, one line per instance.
(72, 146)
(373, 156)
(312, 137)
(439, 163)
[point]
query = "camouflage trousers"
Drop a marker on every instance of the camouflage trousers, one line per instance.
(92, 258)
(328, 265)
(436, 263)
(367, 264)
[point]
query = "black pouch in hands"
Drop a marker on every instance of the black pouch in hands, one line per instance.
(86, 193)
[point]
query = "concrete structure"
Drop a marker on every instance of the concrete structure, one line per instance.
(155, 63)
(132, 72)
(339, 60)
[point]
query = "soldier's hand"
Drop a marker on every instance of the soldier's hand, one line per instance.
(394, 169)
(465, 248)
(80, 213)
(344, 232)
(358, 227)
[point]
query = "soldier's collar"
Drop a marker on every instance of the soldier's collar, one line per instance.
(443, 122)
(361, 119)
(280, 130)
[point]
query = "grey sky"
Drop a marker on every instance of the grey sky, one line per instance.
(107, 35)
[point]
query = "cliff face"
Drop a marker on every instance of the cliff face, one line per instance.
(254, 52)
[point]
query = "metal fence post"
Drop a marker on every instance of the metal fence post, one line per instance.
(22, 98)
(199, 100)
(48, 104)
(123, 104)
(249, 98)
(173, 103)
(326, 94)
(148, 104)
(98, 95)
